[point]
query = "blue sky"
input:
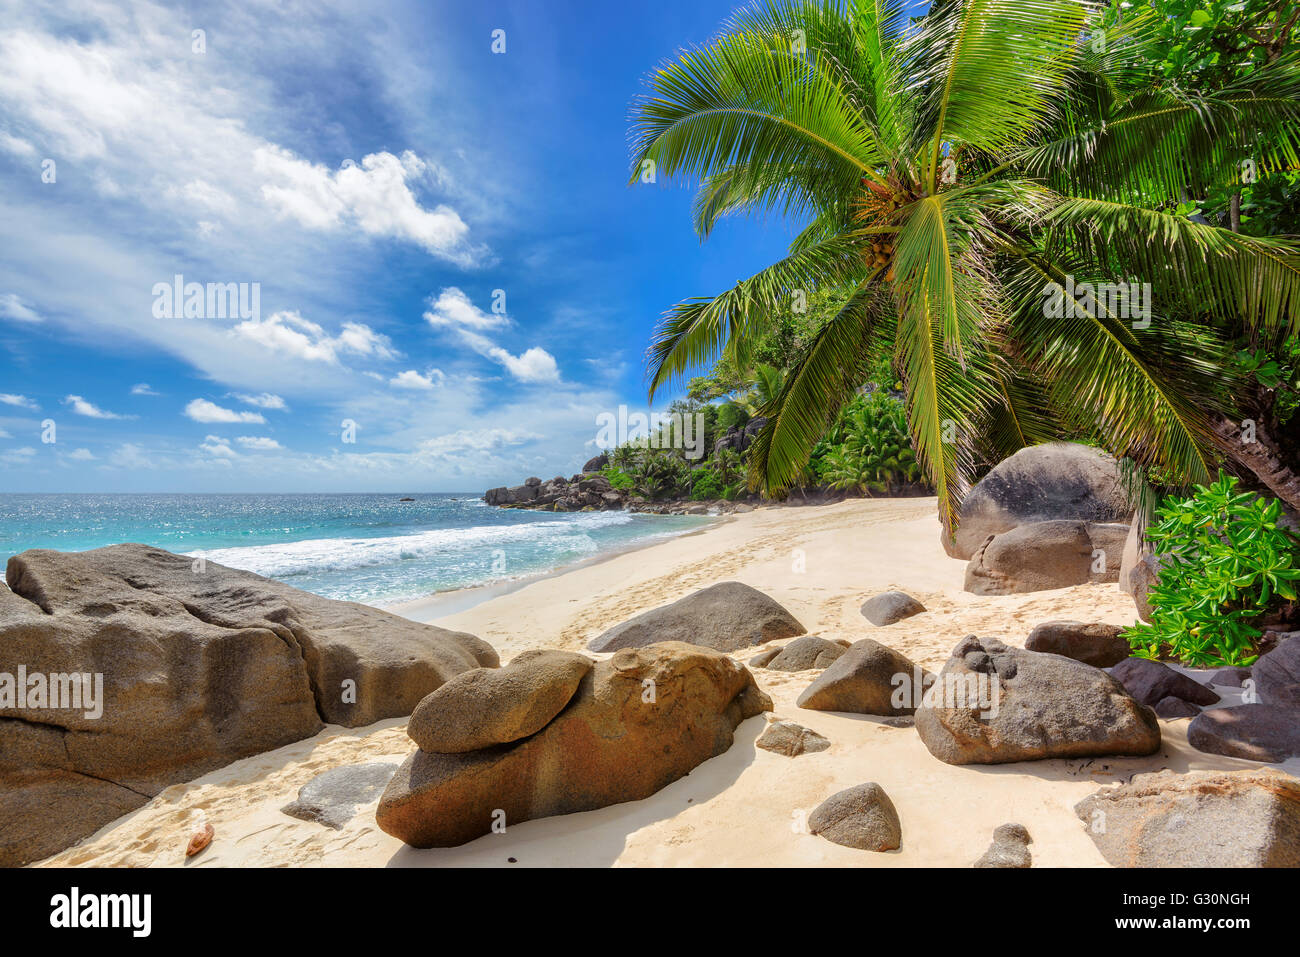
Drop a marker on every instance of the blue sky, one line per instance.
(379, 172)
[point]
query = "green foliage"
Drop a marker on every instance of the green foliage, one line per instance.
(1226, 562)
(868, 448)
(618, 478)
(1276, 370)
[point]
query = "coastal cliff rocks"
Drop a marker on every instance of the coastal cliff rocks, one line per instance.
(1256, 732)
(638, 721)
(1197, 819)
(805, 653)
(582, 492)
(486, 706)
(890, 607)
(1010, 848)
(1053, 481)
(863, 817)
(867, 679)
(1044, 555)
(200, 665)
(1093, 643)
(993, 704)
(728, 616)
(1151, 681)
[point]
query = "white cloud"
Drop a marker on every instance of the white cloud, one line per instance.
(289, 333)
(82, 407)
(265, 400)
(218, 447)
(454, 311)
(259, 443)
(142, 388)
(374, 195)
(8, 398)
(201, 410)
(81, 455)
(5, 435)
(16, 145)
(410, 379)
(11, 307)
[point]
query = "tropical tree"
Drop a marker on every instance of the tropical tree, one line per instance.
(970, 178)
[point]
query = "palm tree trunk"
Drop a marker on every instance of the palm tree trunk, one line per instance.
(1262, 457)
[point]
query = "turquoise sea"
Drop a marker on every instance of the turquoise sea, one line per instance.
(369, 548)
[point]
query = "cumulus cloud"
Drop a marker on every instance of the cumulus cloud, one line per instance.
(81, 455)
(298, 338)
(21, 401)
(11, 307)
(201, 410)
(218, 447)
(260, 443)
(88, 409)
(454, 311)
(410, 379)
(265, 400)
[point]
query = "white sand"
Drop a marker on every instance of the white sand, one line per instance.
(744, 807)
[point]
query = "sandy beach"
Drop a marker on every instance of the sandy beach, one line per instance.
(745, 807)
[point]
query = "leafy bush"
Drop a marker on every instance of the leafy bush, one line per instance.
(1225, 563)
(868, 448)
(618, 478)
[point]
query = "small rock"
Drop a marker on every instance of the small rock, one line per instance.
(1230, 677)
(761, 659)
(199, 840)
(792, 740)
(1010, 848)
(332, 797)
(1171, 708)
(1256, 732)
(804, 653)
(1094, 644)
(863, 817)
(1151, 682)
(890, 607)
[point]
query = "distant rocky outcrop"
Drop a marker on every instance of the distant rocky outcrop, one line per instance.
(201, 665)
(740, 437)
(637, 722)
(993, 704)
(728, 616)
(576, 494)
(1049, 482)
(1197, 819)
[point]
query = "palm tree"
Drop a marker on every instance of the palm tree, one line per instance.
(963, 177)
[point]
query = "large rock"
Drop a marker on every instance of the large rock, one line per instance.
(1032, 558)
(1197, 819)
(201, 665)
(477, 709)
(890, 607)
(1058, 480)
(1151, 681)
(863, 817)
(867, 679)
(728, 616)
(1256, 732)
(1277, 675)
(638, 722)
(1093, 643)
(1043, 706)
(805, 652)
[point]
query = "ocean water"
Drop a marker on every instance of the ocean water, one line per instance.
(367, 548)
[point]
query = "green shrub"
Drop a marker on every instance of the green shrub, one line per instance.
(1225, 563)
